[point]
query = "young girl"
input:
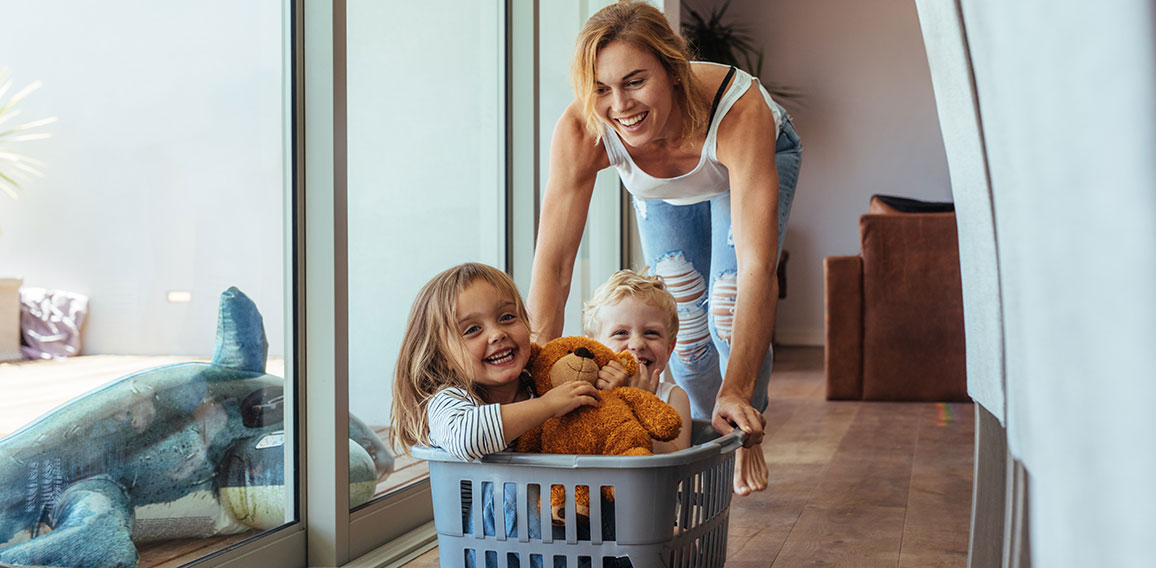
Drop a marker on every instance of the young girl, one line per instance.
(461, 383)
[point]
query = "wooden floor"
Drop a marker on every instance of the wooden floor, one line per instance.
(855, 484)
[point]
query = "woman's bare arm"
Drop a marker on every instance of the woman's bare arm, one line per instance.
(747, 148)
(575, 160)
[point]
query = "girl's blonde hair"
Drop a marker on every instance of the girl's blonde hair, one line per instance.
(433, 355)
(643, 25)
(624, 284)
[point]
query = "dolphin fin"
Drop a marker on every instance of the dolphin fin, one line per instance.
(241, 340)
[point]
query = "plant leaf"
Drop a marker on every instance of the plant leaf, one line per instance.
(20, 95)
(17, 166)
(22, 137)
(27, 126)
(12, 182)
(9, 115)
(23, 166)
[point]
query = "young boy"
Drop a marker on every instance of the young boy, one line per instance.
(636, 313)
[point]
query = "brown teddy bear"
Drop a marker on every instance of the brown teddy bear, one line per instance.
(625, 424)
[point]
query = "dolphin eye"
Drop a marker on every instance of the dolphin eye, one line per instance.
(263, 407)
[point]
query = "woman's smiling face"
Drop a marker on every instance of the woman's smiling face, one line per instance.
(635, 94)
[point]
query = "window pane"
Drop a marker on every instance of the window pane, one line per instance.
(599, 254)
(163, 188)
(425, 175)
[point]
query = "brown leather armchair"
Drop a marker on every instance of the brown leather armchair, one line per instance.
(894, 321)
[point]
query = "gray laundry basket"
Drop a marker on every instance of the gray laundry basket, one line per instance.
(668, 510)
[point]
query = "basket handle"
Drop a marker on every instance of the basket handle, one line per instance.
(730, 442)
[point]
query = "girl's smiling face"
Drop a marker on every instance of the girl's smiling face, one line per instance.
(635, 94)
(638, 327)
(496, 340)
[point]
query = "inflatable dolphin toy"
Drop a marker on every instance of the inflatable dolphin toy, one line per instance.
(189, 450)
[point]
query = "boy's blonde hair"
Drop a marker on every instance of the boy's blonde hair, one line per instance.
(624, 284)
(433, 354)
(643, 25)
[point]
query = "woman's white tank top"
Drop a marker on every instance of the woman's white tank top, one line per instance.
(709, 178)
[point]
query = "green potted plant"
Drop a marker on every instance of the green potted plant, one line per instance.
(16, 167)
(712, 39)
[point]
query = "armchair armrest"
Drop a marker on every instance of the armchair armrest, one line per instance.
(843, 278)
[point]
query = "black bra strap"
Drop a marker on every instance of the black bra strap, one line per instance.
(718, 96)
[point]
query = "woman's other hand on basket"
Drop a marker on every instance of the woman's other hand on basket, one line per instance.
(614, 375)
(568, 396)
(733, 412)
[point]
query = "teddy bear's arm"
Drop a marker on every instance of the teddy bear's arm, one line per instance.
(659, 418)
(529, 442)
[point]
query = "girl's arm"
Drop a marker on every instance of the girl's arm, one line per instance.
(462, 427)
(519, 417)
(468, 430)
(575, 160)
(746, 146)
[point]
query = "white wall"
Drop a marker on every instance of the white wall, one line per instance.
(164, 171)
(867, 122)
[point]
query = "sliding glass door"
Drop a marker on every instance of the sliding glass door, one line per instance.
(426, 177)
(154, 257)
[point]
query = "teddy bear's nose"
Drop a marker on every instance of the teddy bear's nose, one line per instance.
(583, 353)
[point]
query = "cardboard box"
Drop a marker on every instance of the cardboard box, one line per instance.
(10, 319)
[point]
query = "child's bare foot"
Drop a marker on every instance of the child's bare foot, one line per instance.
(750, 470)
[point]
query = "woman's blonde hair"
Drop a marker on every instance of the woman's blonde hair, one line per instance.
(433, 355)
(643, 25)
(624, 284)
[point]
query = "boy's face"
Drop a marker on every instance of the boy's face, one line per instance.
(638, 327)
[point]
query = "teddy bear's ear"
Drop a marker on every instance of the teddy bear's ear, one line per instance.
(629, 362)
(535, 349)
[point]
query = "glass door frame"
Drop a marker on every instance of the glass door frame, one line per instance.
(399, 525)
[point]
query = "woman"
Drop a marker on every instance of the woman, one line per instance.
(711, 162)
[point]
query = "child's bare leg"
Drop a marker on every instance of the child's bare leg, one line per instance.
(750, 470)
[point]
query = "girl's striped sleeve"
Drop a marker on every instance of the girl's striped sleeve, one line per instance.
(464, 428)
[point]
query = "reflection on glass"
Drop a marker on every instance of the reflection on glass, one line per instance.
(425, 176)
(181, 451)
(163, 186)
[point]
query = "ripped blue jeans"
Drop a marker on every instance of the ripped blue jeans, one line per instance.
(692, 248)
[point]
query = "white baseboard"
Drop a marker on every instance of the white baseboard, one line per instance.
(804, 337)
